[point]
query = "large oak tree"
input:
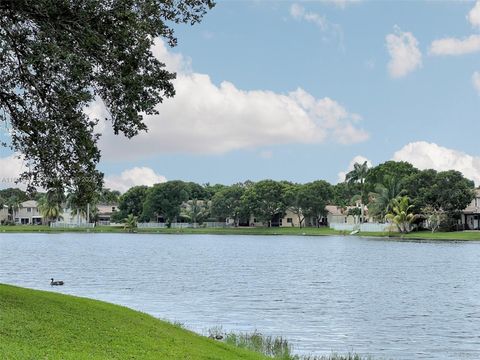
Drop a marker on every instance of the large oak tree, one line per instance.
(57, 56)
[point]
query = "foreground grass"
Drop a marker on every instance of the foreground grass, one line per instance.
(277, 348)
(42, 325)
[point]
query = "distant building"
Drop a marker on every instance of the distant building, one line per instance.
(104, 213)
(28, 214)
(471, 214)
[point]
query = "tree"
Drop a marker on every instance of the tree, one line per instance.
(358, 175)
(293, 198)
(130, 223)
(14, 203)
(445, 191)
(50, 204)
(401, 214)
(164, 200)
(227, 203)
(196, 211)
(313, 199)
(265, 199)
(382, 199)
(433, 217)
(108, 197)
(80, 205)
(398, 170)
(131, 203)
(59, 56)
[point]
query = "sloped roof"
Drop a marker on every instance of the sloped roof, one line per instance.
(30, 203)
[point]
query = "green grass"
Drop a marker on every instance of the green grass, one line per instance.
(219, 231)
(43, 325)
(428, 235)
(310, 231)
(275, 347)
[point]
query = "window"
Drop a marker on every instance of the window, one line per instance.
(113, 208)
(254, 220)
(29, 209)
(289, 220)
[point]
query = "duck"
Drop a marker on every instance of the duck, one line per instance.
(56, 283)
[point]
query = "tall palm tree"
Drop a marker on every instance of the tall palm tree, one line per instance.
(14, 204)
(401, 214)
(383, 196)
(358, 175)
(49, 208)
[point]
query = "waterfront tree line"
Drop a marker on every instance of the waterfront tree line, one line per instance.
(393, 191)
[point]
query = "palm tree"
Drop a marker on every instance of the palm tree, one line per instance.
(401, 214)
(383, 196)
(195, 211)
(358, 175)
(14, 204)
(48, 209)
(130, 223)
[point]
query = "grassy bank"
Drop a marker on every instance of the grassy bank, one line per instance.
(219, 231)
(43, 325)
(428, 235)
(323, 231)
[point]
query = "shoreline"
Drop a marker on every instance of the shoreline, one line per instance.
(419, 236)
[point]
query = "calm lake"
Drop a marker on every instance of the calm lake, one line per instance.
(389, 299)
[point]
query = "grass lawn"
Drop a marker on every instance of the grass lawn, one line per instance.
(428, 235)
(42, 325)
(422, 235)
(219, 231)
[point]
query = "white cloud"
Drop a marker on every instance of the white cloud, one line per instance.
(11, 167)
(357, 159)
(204, 118)
(298, 12)
(342, 3)
(474, 15)
(133, 177)
(453, 46)
(424, 155)
(329, 30)
(404, 53)
(476, 81)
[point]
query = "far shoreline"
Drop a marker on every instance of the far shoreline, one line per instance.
(273, 231)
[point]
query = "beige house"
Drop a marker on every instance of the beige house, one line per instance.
(104, 213)
(28, 214)
(335, 214)
(471, 214)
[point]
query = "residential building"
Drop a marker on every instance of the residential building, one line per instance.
(471, 214)
(28, 214)
(104, 213)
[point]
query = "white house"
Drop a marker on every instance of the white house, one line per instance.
(471, 214)
(28, 214)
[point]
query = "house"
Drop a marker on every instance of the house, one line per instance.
(68, 217)
(28, 214)
(104, 213)
(471, 214)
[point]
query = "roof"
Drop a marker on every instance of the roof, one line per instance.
(30, 203)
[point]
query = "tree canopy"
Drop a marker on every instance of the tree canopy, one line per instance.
(58, 56)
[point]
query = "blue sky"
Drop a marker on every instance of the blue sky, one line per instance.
(424, 107)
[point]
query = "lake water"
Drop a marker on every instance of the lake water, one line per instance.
(389, 299)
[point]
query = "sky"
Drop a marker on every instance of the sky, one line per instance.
(302, 90)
